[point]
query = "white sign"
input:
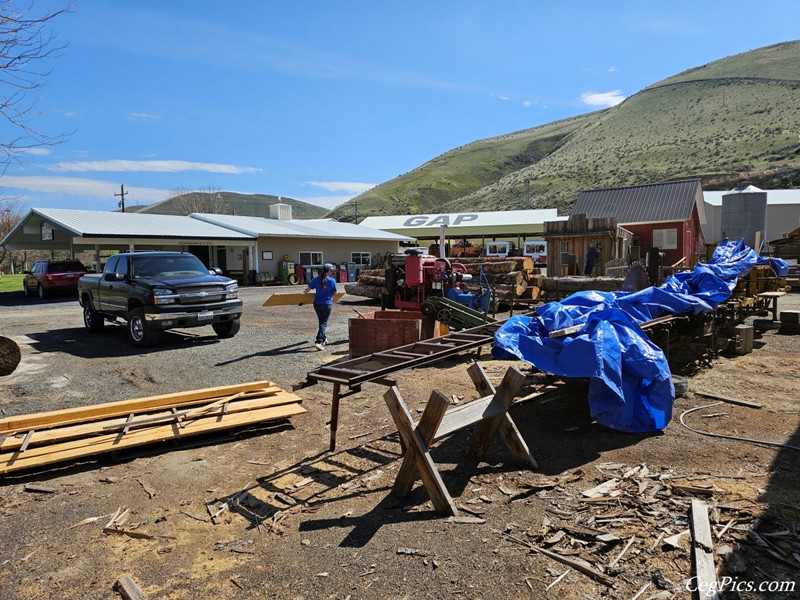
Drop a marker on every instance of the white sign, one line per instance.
(665, 239)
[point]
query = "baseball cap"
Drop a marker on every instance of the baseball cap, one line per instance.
(329, 267)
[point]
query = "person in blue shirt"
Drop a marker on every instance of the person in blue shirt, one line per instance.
(324, 287)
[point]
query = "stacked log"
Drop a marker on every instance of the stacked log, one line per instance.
(559, 285)
(9, 355)
(370, 284)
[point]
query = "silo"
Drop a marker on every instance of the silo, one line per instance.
(744, 215)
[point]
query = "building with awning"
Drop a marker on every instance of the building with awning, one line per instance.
(247, 248)
(476, 227)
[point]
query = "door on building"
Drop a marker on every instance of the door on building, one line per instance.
(202, 253)
(222, 259)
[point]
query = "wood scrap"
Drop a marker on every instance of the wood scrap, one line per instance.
(703, 550)
(727, 399)
(129, 589)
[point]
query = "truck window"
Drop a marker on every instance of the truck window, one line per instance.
(111, 265)
(161, 266)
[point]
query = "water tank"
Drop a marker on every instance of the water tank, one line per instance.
(280, 211)
(744, 215)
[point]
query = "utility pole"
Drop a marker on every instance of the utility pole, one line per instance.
(121, 194)
(356, 207)
(528, 183)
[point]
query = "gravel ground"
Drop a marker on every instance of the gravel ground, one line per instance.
(274, 343)
(347, 536)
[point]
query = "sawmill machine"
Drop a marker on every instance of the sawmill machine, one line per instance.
(436, 288)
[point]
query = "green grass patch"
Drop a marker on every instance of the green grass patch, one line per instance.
(11, 283)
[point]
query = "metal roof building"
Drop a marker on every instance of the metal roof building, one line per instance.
(502, 224)
(783, 213)
(240, 245)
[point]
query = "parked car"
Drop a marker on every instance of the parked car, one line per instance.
(50, 276)
(156, 291)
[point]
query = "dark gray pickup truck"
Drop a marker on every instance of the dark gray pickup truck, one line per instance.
(154, 291)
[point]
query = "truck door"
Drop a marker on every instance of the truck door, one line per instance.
(113, 291)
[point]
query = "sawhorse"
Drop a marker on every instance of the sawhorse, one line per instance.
(490, 413)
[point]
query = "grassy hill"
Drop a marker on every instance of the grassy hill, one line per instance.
(231, 203)
(724, 122)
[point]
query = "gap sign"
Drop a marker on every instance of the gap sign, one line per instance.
(422, 220)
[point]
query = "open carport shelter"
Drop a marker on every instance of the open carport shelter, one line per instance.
(475, 227)
(241, 246)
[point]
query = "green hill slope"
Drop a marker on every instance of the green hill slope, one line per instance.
(231, 203)
(729, 120)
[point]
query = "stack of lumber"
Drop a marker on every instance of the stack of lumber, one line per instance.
(39, 439)
(369, 284)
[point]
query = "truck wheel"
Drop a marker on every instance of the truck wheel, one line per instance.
(139, 334)
(41, 291)
(227, 329)
(92, 320)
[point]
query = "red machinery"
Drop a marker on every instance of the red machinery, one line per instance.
(422, 276)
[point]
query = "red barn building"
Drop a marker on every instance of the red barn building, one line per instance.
(666, 216)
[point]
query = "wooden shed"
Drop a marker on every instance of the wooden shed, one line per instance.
(667, 216)
(581, 244)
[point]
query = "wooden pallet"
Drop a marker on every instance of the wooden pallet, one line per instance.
(40, 439)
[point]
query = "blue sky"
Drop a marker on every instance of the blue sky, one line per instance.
(320, 100)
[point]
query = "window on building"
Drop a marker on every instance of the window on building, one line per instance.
(564, 246)
(363, 259)
(310, 259)
(665, 239)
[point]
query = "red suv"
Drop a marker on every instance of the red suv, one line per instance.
(49, 276)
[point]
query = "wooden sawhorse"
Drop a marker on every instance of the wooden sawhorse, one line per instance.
(490, 413)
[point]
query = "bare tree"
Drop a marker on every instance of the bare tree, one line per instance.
(206, 200)
(10, 216)
(25, 46)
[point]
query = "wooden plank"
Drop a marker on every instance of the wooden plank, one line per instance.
(466, 415)
(428, 424)
(123, 407)
(128, 589)
(90, 447)
(703, 550)
(298, 299)
(727, 399)
(509, 387)
(69, 432)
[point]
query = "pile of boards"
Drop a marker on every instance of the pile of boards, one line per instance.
(39, 439)
(511, 278)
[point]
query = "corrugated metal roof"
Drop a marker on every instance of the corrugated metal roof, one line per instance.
(90, 223)
(773, 197)
(657, 202)
(258, 226)
(497, 218)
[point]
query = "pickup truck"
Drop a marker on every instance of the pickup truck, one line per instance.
(155, 291)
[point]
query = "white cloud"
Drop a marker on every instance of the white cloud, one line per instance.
(528, 103)
(143, 116)
(503, 98)
(612, 69)
(603, 98)
(38, 151)
(151, 166)
(77, 186)
(351, 187)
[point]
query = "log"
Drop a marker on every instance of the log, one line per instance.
(371, 280)
(367, 291)
(506, 291)
(580, 284)
(372, 273)
(513, 278)
(9, 355)
(521, 263)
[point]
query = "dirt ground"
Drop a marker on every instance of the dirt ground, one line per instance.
(318, 524)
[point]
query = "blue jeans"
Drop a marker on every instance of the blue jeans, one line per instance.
(323, 314)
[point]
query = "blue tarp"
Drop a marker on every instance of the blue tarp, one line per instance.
(630, 381)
